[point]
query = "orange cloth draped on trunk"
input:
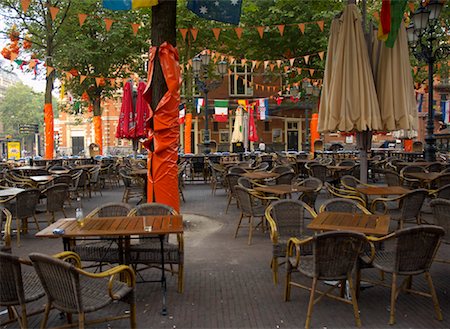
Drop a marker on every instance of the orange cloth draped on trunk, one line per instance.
(314, 133)
(49, 132)
(162, 165)
(97, 119)
(187, 133)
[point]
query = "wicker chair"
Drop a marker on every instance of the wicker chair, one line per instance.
(435, 167)
(134, 186)
(231, 182)
(73, 187)
(83, 292)
(441, 214)
(412, 254)
(392, 178)
(443, 192)
(334, 257)
(148, 251)
(5, 229)
(63, 179)
(286, 219)
(310, 197)
(18, 288)
(251, 205)
(237, 170)
(319, 171)
(440, 181)
(217, 176)
(347, 163)
(343, 205)
(55, 196)
(263, 166)
(408, 180)
(408, 210)
(346, 194)
(104, 250)
(246, 182)
(285, 178)
(282, 169)
(94, 183)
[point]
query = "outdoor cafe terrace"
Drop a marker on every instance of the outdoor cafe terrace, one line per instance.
(228, 275)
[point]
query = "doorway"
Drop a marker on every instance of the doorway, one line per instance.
(293, 135)
(77, 145)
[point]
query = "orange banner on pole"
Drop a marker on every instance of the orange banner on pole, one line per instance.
(98, 131)
(313, 132)
(408, 145)
(187, 133)
(49, 137)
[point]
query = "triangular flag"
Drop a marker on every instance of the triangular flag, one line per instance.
(53, 12)
(281, 29)
(49, 70)
(376, 15)
(272, 66)
(238, 31)
(258, 63)
(82, 78)
(320, 23)
(135, 27)
(415, 69)
(14, 55)
(108, 22)
(306, 57)
(183, 33)
(301, 26)
(265, 64)
(194, 33)
(216, 32)
(112, 82)
(321, 55)
(82, 18)
(25, 5)
(411, 6)
(260, 31)
(286, 68)
(278, 63)
(68, 75)
(311, 72)
(253, 65)
(243, 61)
(299, 70)
(98, 81)
(291, 61)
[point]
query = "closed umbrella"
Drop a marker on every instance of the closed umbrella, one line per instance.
(237, 136)
(142, 112)
(126, 116)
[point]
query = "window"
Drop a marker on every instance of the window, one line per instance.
(224, 136)
(266, 126)
(276, 135)
(292, 125)
(215, 126)
(240, 80)
(195, 91)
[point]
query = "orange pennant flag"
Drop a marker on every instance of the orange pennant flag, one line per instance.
(258, 63)
(14, 55)
(376, 15)
(243, 61)
(50, 69)
(265, 64)
(291, 61)
(253, 65)
(411, 6)
(311, 72)
(278, 63)
(82, 78)
(238, 31)
(415, 69)
(98, 81)
(194, 33)
(82, 18)
(183, 33)
(272, 66)
(135, 27)
(299, 71)
(320, 23)
(301, 26)
(25, 5)
(321, 54)
(306, 57)
(53, 12)
(108, 23)
(281, 29)
(260, 31)
(286, 68)
(112, 82)
(216, 32)
(32, 64)
(68, 75)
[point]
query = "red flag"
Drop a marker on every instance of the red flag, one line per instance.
(252, 134)
(142, 111)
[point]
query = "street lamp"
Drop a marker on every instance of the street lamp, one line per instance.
(200, 65)
(422, 36)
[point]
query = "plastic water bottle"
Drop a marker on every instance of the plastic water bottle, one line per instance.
(79, 212)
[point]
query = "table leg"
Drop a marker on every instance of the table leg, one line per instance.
(163, 276)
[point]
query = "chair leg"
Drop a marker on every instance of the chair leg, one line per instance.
(275, 269)
(393, 293)
(36, 222)
(18, 228)
(354, 301)
(239, 225)
(81, 320)
(180, 278)
(250, 230)
(133, 323)
(311, 303)
(287, 286)
(23, 321)
(48, 307)
(434, 296)
(229, 202)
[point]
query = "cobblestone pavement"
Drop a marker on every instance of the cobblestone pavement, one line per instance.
(228, 284)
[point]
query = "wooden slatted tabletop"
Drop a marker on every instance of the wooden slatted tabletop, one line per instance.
(282, 189)
(382, 190)
(422, 176)
(12, 191)
(260, 175)
(114, 226)
(341, 221)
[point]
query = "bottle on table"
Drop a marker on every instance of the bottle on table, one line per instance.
(79, 212)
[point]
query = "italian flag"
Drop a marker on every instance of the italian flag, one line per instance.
(221, 110)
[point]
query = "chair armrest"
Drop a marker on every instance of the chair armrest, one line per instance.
(295, 242)
(69, 256)
(7, 199)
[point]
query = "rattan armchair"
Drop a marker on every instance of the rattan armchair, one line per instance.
(148, 251)
(18, 288)
(343, 205)
(346, 194)
(443, 192)
(333, 258)
(5, 229)
(72, 290)
(408, 210)
(286, 219)
(217, 176)
(310, 197)
(251, 205)
(134, 186)
(55, 197)
(231, 182)
(412, 254)
(441, 214)
(282, 169)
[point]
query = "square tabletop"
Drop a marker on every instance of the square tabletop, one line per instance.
(114, 226)
(339, 168)
(282, 189)
(342, 221)
(41, 178)
(260, 175)
(423, 176)
(11, 191)
(59, 171)
(382, 190)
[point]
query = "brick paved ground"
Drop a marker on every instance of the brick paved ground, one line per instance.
(228, 284)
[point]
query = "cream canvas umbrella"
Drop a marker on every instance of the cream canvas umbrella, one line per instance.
(238, 133)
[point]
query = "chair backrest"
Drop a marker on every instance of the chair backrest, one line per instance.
(411, 169)
(346, 194)
(127, 181)
(111, 209)
(63, 179)
(26, 203)
(441, 214)
(318, 145)
(346, 163)
(236, 170)
(312, 182)
(60, 281)
(443, 192)
(152, 209)
(244, 200)
(56, 196)
(417, 146)
(350, 182)
(282, 169)
(326, 161)
(287, 217)
(343, 205)
(435, 167)
(93, 175)
(411, 203)
(11, 283)
(441, 180)
(310, 197)
(232, 181)
(5, 229)
(415, 248)
(285, 178)
(392, 178)
(318, 171)
(245, 182)
(262, 166)
(335, 254)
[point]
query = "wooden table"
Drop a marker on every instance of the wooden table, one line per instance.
(283, 189)
(340, 221)
(29, 168)
(41, 178)
(259, 175)
(423, 177)
(59, 171)
(12, 191)
(122, 228)
(382, 190)
(339, 168)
